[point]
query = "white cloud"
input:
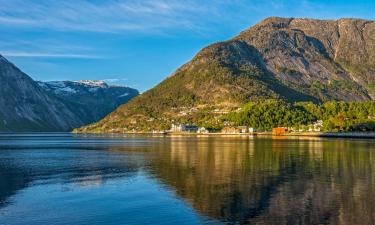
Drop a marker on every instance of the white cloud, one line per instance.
(148, 16)
(47, 55)
(126, 17)
(44, 48)
(104, 16)
(142, 16)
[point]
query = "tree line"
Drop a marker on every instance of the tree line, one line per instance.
(336, 115)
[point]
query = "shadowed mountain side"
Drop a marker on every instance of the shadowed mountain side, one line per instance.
(30, 106)
(89, 100)
(24, 106)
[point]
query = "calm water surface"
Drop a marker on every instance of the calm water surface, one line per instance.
(78, 179)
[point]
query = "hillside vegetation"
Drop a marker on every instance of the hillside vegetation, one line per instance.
(288, 59)
(336, 116)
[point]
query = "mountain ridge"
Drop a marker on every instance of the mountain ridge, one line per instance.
(284, 58)
(27, 105)
(90, 99)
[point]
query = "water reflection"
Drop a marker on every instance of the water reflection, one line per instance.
(273, 181)
(247, 180)
(29, 160)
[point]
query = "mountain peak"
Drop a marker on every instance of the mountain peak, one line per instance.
(295, 59)
(276, 20)
(94, 83)
(3, 59)
(285, 22)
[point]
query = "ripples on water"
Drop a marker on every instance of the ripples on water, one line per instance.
(86, 179)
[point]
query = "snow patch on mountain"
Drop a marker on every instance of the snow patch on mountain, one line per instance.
(66, 90)
(94, 89)
(123, 95)
(58, 87)
(57, 84)
(95, 83)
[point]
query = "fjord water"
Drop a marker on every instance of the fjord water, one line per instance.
(113, 179)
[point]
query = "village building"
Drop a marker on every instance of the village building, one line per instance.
(202, 130)
(279, 131)
(230, 130)
(176, 128)
(243, 129)
(191, 128)
(252, 130)
(316, 126)
(235, 130)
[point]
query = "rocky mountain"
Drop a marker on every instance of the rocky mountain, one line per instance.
(281, 58)
(27, 105)
(90, 100)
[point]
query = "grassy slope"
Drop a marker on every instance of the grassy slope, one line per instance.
(224, 76)
(220, 77)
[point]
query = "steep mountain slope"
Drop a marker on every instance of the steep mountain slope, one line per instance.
(90, 100)
(323, 58)
(24, 106)
(291, 59)
(27, 105)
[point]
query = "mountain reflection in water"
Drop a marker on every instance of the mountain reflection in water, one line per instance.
(273, 181)
(224, 179)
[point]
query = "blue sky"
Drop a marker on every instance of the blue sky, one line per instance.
(134, 42)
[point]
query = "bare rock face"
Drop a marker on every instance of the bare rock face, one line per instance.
(286, 58)
(90, 100)
(324, 58)
(24, 106)
(27, 105)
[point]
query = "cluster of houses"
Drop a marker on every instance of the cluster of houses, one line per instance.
(238, 130)
(317, 126)
(187, 128)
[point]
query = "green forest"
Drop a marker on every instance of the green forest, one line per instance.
(336, 116)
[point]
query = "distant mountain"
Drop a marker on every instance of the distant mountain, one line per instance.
(90, 100)
(282, 58)
(27, 105)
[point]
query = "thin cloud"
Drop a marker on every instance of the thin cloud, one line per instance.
(148, 16)
(156, 16)
(49, 55)
(16, 21)
(108, 16)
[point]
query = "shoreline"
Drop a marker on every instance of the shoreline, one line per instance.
(302, 134)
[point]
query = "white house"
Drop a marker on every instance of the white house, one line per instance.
(202, 130)
(316, 126)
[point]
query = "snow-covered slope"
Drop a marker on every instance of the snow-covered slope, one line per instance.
(93, 83)
(27, 105)
(91, 99)
(24, 106)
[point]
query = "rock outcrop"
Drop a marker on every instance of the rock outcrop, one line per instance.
(282, 58)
